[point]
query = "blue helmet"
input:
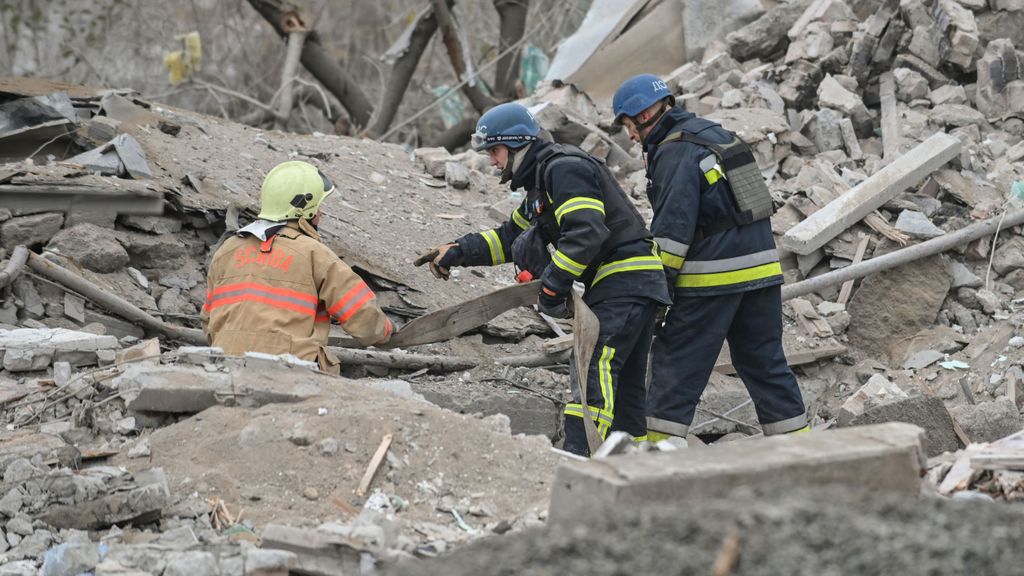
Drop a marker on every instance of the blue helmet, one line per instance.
(510, 124)
(638, 94)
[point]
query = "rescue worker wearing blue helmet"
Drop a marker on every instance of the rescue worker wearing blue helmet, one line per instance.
(574, 204)
(711, 209)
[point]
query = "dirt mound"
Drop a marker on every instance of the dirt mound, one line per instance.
(300, 464)
(814, 532)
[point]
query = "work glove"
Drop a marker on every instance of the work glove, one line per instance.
(552, 304)
(441, 259)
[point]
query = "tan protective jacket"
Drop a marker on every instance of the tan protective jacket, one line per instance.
(278, 296)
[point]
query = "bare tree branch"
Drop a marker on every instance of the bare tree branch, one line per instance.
(319, 63)
(456, 136)
(402, 72)
(513, 25)
(476, 96)
(291, 62)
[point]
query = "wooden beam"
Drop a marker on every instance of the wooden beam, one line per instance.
(847, 289)
(371, 470)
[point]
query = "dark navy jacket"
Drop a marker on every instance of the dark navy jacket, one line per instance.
(689, 193)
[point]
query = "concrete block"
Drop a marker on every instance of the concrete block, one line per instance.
(27, 445)
(886, 458)
(878, 388)
(927, 412)
(917, 225)
(456, 175)
(861, 200)
(316, 552)
(141, 505)
(32, 231)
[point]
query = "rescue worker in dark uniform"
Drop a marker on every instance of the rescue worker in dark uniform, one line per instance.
(574, 204)
(711, 209)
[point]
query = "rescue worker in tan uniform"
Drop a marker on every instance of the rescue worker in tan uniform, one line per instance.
(274, 287)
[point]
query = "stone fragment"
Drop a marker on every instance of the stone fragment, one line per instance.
(897, 304)
(70, 559)
(877, 389)
(327, 447)
(165, 252)
(192, 563)
(948, 94)
(923, 359)
(316, 552)
(456, 175)
(433, 160)
(909, 85)
(917, 225)
(93, 247)
(962, 277)
(1009, 256)
(32, 231)
(299, 435)
(44, 344)
(151, 224)
(766, 36)
(989, 302)
(826, 130)
(831, 94)
(928, 412)
(988, 421)
(141, 505)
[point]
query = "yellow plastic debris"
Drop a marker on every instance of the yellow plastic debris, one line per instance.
(181, 64)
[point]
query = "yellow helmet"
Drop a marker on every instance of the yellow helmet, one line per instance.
(293, 190)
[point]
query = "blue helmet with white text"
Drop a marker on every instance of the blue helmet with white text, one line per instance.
(638, 94)
(510, 124)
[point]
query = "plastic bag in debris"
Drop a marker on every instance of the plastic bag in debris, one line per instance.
(533, 67)
(183, 63)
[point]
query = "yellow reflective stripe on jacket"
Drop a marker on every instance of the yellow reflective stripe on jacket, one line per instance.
(568, 264)
(494, 243)
(729, 264)
(604, 373)
(575, 204)
(520, 221)
(729, 278)
(633, 264)
(671, 260)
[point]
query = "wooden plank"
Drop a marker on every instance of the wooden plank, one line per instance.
(455, 320)
(558, 344)
(847, 289)
(586, 329)
(890, 117)
(371, 470)
(795, 356)
(861, 200)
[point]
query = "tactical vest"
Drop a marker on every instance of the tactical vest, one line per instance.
(733, 162)
(622, 219)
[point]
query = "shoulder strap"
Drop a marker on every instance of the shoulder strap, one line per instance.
(555, 154)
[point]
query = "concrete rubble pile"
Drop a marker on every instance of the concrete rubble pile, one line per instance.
(125, 443)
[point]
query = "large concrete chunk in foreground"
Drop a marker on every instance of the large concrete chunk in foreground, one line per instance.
(861, 200)
(887, 457)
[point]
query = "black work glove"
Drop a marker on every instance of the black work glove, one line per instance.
(552, 304)
(453, 257)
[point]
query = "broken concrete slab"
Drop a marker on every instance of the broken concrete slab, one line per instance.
(433, 160)
(190, 389)
(151, 224)
(878, 388)
(32, 231)
(927, 412)
(766, 36)
(886, 458)
(26, 445)
(923, 359)
(25, 349)
(917, 225)
(91, 246)
(861, 200)
(141, 505)
(988, 421)
(317, 552)
(832, 94)
(897, 303)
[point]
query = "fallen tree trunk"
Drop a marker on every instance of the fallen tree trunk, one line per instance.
(512, 14)
(112, 303)
(449, 33)
(904, 255)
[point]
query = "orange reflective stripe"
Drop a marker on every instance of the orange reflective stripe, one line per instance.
(388, 328)
(351, 302)
(253, 292)
(265, 288)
